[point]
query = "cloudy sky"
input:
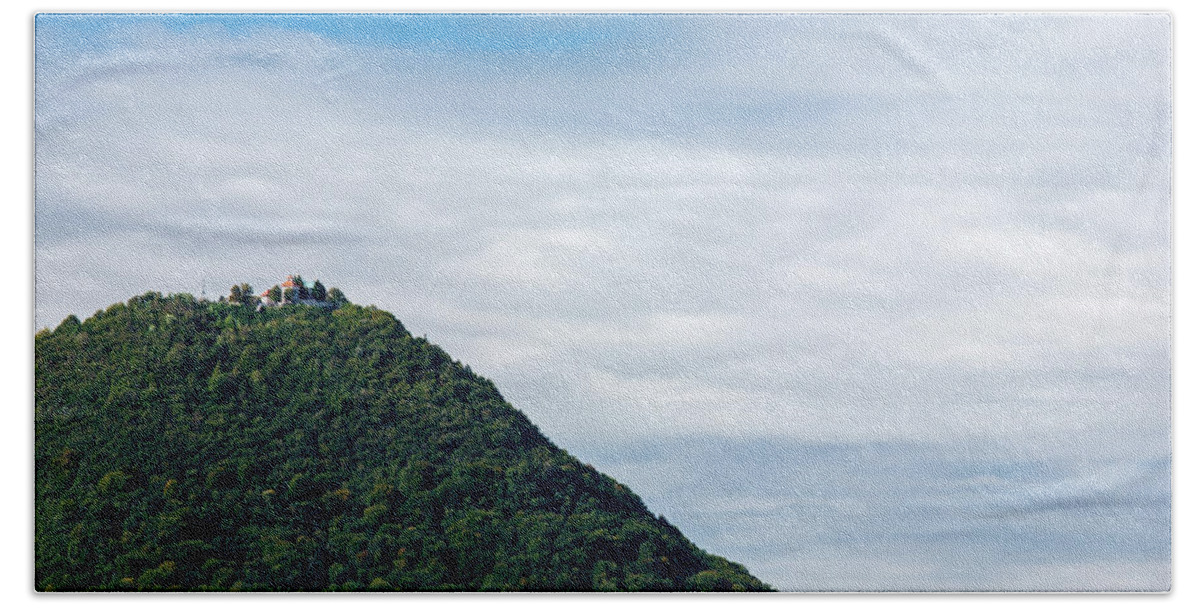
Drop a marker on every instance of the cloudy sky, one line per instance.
(878, 272)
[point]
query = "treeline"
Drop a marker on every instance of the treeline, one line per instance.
(296, 291)
(191, 445)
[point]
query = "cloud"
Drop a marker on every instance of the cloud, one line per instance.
(822, 516)
(835, 227)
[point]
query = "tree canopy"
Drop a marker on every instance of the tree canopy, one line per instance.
(242, 295)
(191, 445)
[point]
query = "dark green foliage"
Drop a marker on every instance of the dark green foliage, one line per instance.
(336, 296)
(301, 291)
(242, 295)
(188, 445)
(318, 291)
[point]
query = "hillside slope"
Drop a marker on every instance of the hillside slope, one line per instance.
(194, 445)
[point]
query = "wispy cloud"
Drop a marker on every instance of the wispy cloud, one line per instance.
(908, 515)
(924, 213)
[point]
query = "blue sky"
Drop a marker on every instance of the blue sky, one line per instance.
(462, 33)
(951, 231)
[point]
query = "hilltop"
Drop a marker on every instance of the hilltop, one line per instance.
(183, 444)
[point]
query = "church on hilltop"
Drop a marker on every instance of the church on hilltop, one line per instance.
(295, 290)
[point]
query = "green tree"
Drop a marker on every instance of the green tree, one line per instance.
(248, 297)
(318, 291)
(242, 294)
(301, 289)
(275, 293)
(336, 296)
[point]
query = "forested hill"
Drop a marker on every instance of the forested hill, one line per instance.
(192, 445)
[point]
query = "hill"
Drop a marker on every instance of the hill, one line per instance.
(191, 445)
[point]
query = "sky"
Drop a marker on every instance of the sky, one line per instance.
(915, 269)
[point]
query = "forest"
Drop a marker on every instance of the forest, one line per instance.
(189, 445)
